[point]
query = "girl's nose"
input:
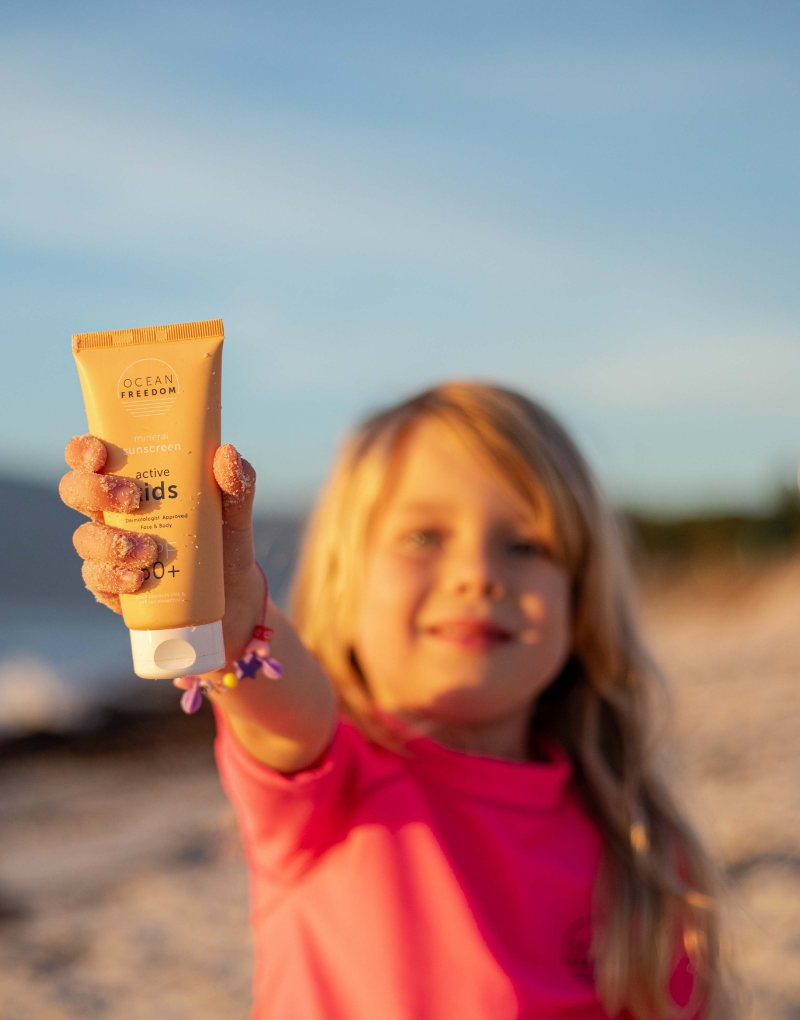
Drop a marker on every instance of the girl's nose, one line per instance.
(474, 574)
(495, 590)
(481, 587)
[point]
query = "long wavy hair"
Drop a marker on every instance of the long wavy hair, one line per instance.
(656, 886)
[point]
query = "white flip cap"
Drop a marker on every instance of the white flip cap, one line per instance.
(178, 651)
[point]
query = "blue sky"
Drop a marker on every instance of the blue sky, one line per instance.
(594, 202)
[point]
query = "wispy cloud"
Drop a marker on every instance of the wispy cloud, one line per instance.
(581, 82)
(736, 370)
(83, 171)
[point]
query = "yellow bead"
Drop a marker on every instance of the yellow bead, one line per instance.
(229, 680)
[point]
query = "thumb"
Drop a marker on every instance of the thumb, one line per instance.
(237, 479)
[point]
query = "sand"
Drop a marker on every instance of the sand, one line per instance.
(730, 642)
(122, 889)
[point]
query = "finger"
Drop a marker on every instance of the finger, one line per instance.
(109, 579)
(112, 601)
(229, 472)
(86, 453)
(92, 493)
(94, 541)
(237, 479)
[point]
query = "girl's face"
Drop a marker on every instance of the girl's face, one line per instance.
(464, 616)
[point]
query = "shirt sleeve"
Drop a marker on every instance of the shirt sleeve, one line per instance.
(287, 822)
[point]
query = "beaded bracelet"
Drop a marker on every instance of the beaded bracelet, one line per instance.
(256, 659)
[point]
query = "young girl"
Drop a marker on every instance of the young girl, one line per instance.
(448, 801)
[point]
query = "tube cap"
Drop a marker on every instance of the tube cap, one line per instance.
(178, 651)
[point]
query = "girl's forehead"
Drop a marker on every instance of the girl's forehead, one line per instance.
(433, 465)
(430, 440)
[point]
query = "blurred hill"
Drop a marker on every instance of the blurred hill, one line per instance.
(36, 544)
(675, 542)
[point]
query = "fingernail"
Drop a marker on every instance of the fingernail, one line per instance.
(130, 576)
(125, 494)
(143, 545)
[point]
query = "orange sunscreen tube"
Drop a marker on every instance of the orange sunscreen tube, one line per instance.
(153, 396)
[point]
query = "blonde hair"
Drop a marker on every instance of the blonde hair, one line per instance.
(656, 884)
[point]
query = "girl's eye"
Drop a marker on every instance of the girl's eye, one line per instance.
(523, 547)
(424, 539)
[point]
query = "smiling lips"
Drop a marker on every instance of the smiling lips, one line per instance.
(475, 635)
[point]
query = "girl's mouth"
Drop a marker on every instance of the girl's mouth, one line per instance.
(475, 635)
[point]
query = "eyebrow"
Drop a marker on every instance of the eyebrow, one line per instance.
(424, 506)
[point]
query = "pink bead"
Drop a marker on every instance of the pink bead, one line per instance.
(261, 648)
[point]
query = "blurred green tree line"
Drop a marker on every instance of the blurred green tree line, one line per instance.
(742, 535)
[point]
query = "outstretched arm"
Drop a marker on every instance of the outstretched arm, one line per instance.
(286, 723)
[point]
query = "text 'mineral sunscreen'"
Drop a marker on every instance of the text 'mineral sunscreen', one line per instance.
(153, 396)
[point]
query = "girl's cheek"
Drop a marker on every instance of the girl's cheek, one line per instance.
(398, 581)
(385, 629)
(534, 607)
(393, 593)
(547, 603)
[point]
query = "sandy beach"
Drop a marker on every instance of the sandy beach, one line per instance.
(123, 893)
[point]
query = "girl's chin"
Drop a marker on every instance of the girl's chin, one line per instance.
(471, 699)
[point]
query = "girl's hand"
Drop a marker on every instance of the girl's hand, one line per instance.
(284, 723)
(115, 559)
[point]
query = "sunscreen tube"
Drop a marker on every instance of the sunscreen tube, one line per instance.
(153, 396)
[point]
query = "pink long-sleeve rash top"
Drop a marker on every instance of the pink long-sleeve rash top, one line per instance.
(433, 886)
